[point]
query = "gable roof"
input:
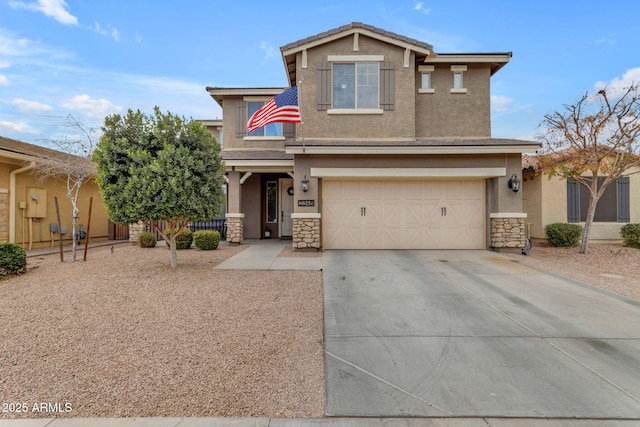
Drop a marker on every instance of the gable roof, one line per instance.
(424, 51)
(290, 50)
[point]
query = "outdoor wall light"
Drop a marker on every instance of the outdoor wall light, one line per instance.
(514, 183)
(305, 184)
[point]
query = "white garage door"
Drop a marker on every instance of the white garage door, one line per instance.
(416, 214)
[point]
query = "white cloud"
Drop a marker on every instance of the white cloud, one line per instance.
(12, 47)
(93, 108)
(4, 81)
(420, 8)
(5, 64)
(618, 85)
(16, 127)
(56, 9)
(137, 38)
(500, 103)
(268, 50)
(30, 106)
(107, 32)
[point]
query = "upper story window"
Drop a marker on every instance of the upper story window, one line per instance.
(458, 79)
(356, 85)
(270, 130)
(426, 79)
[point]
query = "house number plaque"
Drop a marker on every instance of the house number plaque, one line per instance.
(306, 202)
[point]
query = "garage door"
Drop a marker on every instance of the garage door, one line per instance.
(416, 214)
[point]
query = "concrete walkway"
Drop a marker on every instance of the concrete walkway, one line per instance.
(263, 255)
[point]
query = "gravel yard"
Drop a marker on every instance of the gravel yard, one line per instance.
(122, 335)
(612, 267)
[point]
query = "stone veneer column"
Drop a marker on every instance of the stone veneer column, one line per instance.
(4, 215)
(235, 227)
(508, 230)
(306, 231)
(135, 230)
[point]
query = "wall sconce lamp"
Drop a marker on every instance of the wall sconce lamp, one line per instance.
(514, 183)
(305, 184)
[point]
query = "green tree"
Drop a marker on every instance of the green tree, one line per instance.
(159, 168)
(596, 137)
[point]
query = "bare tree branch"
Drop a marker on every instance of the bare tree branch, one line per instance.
(598, 135)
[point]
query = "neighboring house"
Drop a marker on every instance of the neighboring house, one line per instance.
(395, 149)
(27, 206)
(550, 200)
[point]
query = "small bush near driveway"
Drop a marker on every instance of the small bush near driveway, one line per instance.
(147, 240)
(13, 260)
(562, 234)
(206, 240)
(631, 235)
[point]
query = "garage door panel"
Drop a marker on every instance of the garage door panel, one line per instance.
(417, 214)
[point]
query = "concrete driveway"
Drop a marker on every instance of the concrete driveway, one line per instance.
(474, 334)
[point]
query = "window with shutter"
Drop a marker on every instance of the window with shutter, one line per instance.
(573, 201)
(613, 205)
(358, 86)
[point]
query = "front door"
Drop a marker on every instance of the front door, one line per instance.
(286, 207)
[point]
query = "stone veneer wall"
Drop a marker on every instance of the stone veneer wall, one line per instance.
(306, 232)
(4, 215)
(135, 230)
(508, 230)
(235, 227)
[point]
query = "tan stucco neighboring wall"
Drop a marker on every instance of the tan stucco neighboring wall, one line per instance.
(396, 123)
(454, 115)
(546, 203)
(55, 188)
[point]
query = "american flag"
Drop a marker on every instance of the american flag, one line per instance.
(283, 108)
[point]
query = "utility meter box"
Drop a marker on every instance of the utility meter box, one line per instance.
(36, 202)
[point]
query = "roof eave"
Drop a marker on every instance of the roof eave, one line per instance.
(411, 150)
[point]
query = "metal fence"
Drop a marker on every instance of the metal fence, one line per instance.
(219, 225)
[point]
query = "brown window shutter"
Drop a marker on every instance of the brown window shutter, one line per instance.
(289, 130)
(241, 119)
(324, 86)
(387, 85)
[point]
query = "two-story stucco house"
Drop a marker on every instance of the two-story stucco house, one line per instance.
(394, 149)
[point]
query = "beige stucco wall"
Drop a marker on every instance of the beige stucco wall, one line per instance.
(397, 123)
(546, 203)
(55, 188)
(445, 114)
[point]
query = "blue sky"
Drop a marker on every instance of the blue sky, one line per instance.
(93, 58)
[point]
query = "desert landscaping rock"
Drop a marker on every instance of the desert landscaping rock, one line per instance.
(611, 267)
(124, 336)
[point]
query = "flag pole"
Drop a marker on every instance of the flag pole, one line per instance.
(300, 108)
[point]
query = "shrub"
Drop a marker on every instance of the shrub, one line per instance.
(206, 239)
(13, 260)
(147, 240)
(183, 240)
(631, 235)
(562, 234)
